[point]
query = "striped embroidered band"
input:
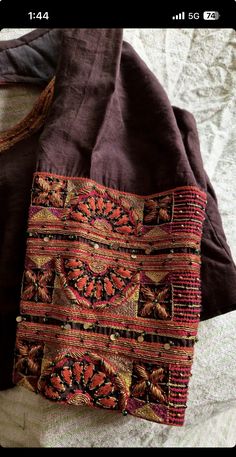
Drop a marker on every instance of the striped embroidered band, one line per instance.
(111, 297)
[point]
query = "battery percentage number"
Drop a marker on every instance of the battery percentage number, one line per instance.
(211, 15)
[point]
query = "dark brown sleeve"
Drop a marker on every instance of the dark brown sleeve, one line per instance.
(218, 268)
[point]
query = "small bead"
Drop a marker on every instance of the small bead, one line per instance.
(18, 319)
(166, 346)
(133, 256)
(180, 196)
(181, 211)
(172, 251)
(148, 383)
(181, 277)
(87, 325)
(114, 336)
(179, 295)
(140, 338)
(182, 225)
(96, 246)
(46, 239)
(67, 326)
(124, 412)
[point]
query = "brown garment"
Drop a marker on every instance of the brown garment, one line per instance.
(110, 121)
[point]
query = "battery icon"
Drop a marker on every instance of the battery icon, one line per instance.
(211, 15)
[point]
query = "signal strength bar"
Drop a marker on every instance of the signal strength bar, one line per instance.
(179, 16)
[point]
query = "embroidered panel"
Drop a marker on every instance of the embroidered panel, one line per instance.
(111, 297)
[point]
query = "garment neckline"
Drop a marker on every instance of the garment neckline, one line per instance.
(32, 122)
(35, 119)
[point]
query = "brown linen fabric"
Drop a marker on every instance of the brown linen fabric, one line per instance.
(110, 121)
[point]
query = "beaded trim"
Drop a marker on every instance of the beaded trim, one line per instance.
(111, 297)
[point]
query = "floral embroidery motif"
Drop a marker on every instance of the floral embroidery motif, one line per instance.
(155, 302)
(97, 282)
(49, 192)
(28, 358)
(149, 383)
(84, 380)
(104, 213)
(158, 211)
(38, 285)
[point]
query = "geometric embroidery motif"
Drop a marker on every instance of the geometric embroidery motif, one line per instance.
(150, 383)
(158, 210)
(101, 213)
(155, 302)
(48, 191)
(83, 379)
(38, 285)
(100, 284)
(28, 361)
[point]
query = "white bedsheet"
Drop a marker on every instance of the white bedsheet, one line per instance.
(197, 67)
